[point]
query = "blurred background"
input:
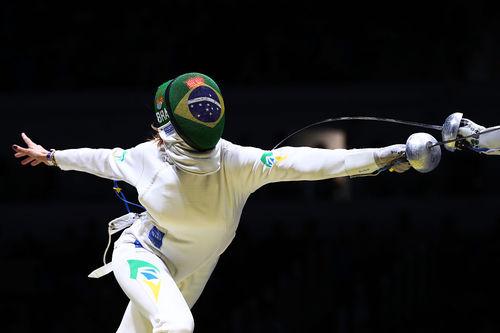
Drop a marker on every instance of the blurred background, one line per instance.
(393, 253)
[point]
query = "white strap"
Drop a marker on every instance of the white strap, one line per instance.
(101, 271)
(121, 223)
(114, 226)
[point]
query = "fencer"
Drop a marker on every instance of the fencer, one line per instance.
(193, 185)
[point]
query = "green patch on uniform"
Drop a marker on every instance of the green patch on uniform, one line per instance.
(269, 159)
(147, 274)
(137, 265)
(119, 155)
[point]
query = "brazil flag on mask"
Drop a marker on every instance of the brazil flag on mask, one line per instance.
(194, 105)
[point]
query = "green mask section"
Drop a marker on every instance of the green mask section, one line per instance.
(160, 105)
(195, 108)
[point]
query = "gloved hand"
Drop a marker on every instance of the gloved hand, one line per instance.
(467, 128)
(393, 156)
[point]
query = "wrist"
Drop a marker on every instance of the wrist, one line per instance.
(360, 161)
(469, 128)
(51, 158)
(387, 155)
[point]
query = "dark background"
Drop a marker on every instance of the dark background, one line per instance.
(394, 253)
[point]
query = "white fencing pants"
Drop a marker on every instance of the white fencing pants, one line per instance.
(156, 304)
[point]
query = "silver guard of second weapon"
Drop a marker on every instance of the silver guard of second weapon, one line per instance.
(450, 129)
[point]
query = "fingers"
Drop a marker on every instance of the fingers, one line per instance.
(21, 150)
(33, 152)
(28, 160)
(18, 152)
(28, 141)
(401, 167)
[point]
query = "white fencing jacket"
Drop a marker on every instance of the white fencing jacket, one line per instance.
(489, 143)
(195, 217)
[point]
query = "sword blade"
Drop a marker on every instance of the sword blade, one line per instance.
(395, 121)
(379, 119)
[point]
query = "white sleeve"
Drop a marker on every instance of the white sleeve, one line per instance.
(255, 167)
(192, 286)
(489, 143)
(115, 164)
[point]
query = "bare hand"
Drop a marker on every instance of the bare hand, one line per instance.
(36, 154)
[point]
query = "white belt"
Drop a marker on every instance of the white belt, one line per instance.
(114, 226)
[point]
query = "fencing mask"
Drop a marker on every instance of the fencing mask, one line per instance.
(193, 104)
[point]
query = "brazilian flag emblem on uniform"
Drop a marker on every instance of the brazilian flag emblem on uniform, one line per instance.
(194, 105)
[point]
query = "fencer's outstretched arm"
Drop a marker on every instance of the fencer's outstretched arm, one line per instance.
(488, 143)
(256, 167)
(115, 164)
